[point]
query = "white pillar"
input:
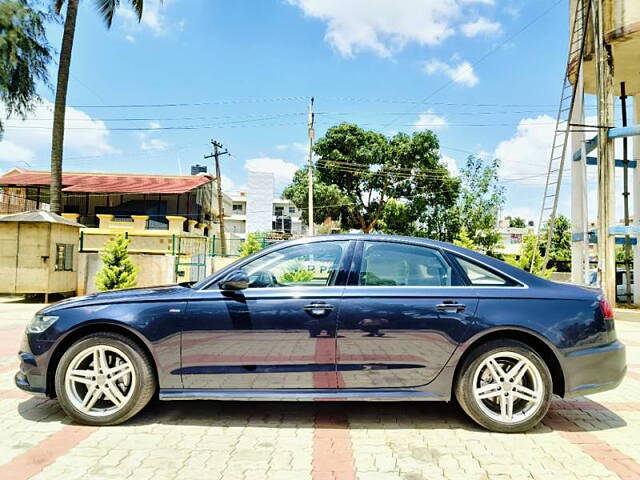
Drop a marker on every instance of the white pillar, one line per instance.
(579, 219)
(636, 201)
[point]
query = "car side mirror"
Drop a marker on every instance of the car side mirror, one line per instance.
(236, 280)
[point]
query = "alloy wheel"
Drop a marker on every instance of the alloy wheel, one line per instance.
(100, 380)
(508, 387)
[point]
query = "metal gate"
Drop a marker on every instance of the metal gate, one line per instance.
(191, 258)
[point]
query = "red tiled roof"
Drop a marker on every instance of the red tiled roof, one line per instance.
(106, 182)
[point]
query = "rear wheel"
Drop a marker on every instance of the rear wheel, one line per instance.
(505, 386)
(104, 379)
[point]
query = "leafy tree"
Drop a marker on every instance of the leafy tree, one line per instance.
(516, 222)
(118, 271)
(328, 200)
(106, 9)
(481, 197)
(369, 169)
(299, 275)
(560, 240)
(24, 55)
(464, 240)
(530, 258)
(250, 246)
(397, 219)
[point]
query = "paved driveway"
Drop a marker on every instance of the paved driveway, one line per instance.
(593, 438)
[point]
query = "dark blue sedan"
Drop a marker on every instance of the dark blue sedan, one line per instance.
(352, 317)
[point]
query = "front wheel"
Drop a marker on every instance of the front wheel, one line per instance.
(504, 386)
(104, 379)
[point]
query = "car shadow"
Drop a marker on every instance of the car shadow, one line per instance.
(581, 415)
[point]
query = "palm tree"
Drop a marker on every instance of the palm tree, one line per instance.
(107, 9)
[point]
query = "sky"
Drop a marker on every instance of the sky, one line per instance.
(484, 75)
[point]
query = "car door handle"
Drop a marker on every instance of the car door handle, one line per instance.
(450, 307)
(318, 308)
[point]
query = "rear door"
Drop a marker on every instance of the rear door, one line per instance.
(404, 312)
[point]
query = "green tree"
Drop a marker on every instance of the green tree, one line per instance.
(464, 240)
(397, 219)
(250, 246)
(24, 55)
(560, 240)
(369, 169)
(328, 200)
(480, 201)
(106, 9)
(118, 271)
(530, 258)
(516, 222)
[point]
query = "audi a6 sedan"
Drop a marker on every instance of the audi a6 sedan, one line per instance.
(350, 317)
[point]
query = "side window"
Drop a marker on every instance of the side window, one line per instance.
(480, 276)
(311, 265)
(385, 263)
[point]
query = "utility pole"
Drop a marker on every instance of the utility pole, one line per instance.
(606, 154)
(310, 168)
(625, 196)
(216, 156)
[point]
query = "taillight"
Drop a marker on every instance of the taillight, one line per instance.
(607, 310)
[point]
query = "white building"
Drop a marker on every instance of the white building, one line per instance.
(258, 210)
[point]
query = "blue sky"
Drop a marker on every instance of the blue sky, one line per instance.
(478, 72)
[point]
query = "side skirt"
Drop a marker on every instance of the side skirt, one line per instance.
(299, 395)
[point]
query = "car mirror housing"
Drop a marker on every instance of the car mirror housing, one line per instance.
(236, 280)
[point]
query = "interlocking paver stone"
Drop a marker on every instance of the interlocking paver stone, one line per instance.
(587, 439)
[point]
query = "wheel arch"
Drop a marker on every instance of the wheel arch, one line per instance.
(89, 329)
(538, 344)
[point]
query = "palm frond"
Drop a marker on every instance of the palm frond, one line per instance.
(58, 6)
(138, 6)
(107, 9)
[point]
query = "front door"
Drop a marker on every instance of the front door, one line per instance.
(402, 316)
(277, 334)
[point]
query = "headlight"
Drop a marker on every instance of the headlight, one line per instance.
(40, 323)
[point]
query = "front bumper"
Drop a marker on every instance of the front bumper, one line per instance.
(595, 369)
(30, 377)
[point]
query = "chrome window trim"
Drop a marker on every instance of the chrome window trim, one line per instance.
(520, 283)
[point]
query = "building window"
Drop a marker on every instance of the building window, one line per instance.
(64, 257)
(292, 209)
(237, 207)
(278, 211)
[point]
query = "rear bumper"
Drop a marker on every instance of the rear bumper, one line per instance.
(595, 369)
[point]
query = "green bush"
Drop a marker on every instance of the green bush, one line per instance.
(118, 270)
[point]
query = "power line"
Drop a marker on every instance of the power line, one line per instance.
(492, 51)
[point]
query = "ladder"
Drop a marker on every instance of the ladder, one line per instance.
(561, 133)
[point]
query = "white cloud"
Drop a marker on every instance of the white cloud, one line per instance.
(154, 18)
(155, 125)
(384, 26)
(451, 164)
(525, 156)
(295, 146)
(227, 183)
(429, 121)
(30, 139)
(462, 73)
(282, 171)
(481, 26)
(156, 144)
(130, 38)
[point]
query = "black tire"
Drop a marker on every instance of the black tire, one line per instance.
(144, 387)
(464, 385)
